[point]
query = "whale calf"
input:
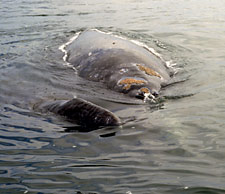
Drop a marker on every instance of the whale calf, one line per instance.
(120, 65)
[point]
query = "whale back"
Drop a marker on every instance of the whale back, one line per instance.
(91, 40)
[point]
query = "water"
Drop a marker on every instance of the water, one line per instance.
(175, 147)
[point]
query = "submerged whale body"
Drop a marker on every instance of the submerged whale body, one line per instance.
(83, 113)
(120, 65)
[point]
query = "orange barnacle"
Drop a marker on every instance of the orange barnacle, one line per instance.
(131, 81)
(145, 90)
(148, 70)
(127, 87)
(127, 82)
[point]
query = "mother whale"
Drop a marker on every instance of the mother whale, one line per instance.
(121, 65)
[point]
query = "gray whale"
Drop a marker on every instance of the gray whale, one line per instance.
(120, 65)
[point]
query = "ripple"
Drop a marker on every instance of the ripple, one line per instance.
(192, 190)
(6, 143)
(179, 152)
(45, 15)
(175, 148)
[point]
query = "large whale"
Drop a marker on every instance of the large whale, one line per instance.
(120, 65)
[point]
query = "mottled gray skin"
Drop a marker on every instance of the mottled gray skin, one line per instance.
(105, 58)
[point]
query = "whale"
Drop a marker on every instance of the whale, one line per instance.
(120, 65)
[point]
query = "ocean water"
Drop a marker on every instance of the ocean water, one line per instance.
(177, 146)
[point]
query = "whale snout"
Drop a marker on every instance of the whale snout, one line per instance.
(144, 93)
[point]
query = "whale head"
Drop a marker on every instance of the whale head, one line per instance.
(139, 88)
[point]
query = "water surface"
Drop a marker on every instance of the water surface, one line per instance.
(176, 147)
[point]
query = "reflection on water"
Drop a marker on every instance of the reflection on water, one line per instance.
(176, 146)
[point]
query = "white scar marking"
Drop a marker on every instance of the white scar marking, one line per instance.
(63, 49)
(149, 97)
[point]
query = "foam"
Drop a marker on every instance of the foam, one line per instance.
(63, 49)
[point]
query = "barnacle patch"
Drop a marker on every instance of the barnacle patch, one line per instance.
(145, 90)
(148, 70)
(128, 82)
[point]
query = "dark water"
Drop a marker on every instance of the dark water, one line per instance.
(175, 147)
